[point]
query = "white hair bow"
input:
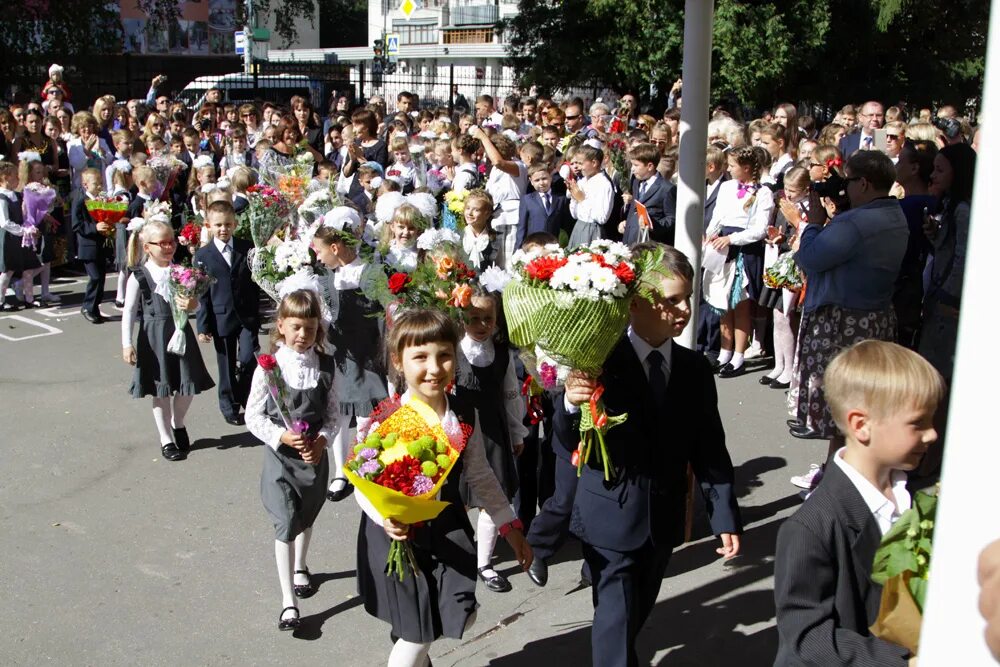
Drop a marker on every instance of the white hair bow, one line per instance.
(425, 203)
(434, 238)
(386, 205)
(202, 161)
(135, 224)
(343, 219)
(122, 165)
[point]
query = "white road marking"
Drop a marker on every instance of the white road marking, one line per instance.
(47, 330)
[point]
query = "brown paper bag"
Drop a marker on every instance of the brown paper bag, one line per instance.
(899, 618)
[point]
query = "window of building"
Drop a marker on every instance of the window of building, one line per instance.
(469, 36)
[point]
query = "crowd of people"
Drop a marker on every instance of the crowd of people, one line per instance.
(837, 251)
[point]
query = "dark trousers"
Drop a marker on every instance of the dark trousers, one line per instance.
(625, 586)
(534, 468)
(96, 271)
(709, 337)
(550, 528)
(235, 356)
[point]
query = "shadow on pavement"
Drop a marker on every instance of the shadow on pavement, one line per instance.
(226, 442)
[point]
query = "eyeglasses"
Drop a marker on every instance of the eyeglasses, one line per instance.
(248, 115)
(162, 244)
(569, 118)
(892, 137)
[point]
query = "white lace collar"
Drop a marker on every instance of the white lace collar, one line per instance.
(479, 354)
(160, 275)
(349, 275)
(475, 245)
(300, 371)
(402, 258)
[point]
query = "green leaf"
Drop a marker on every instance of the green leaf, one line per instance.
(918, 589)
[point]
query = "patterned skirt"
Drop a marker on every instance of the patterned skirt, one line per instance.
(822, 334)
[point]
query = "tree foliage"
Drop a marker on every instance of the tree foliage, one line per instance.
(823, 51)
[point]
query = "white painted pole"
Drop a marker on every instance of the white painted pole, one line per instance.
(967, 517)
(697, 75)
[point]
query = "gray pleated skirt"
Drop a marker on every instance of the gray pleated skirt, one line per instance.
(293, 491)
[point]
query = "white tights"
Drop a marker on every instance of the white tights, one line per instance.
(169, 416)
(414, 654)
(784, 348)
(287, 554)
(339, 448)
(122, 282)
(486, 539)
(5, 279)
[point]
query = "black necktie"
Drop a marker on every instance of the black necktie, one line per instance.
(545, 202)
(657, 381)
(642, 188)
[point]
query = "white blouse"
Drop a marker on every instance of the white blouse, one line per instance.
(729, 212)
(159, 276)
(349, 275)
(7, 198)
(475, 245)
(599, 196)
(402, 258)
(477, 472)
(481, 354)
(299, 371)
(505, 187)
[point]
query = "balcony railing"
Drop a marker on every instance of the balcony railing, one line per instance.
(478, 36)
(473, 15)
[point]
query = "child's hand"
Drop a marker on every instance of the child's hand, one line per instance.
(186, 303)
(730, 546)
(204, 338)
(396, 530)
(103, 227)
(317, 446)
(295, 440)
(522, 550)
(128, 355)
(579, 387)
(518, 449)
(621, 226)
(720, 243)
(626, 198)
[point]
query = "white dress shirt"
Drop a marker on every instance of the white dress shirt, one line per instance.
(598, 197)
(885, 511)
(7, 198)
(222, 248)
(730, 212)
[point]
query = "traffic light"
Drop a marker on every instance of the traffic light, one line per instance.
(379, 60)
(379, 49)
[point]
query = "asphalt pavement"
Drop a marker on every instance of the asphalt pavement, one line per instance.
(113, 556)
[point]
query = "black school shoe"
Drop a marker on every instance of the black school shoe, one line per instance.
(497, 583)
(305, 590)
(728, 371)
(182, 439)
(172, 453)
(289, 623)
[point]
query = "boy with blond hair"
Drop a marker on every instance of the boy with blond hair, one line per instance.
(883, 398)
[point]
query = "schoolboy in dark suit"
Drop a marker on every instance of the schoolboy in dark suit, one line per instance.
(657, 194)
(883, 397)
(229, 314)
(91, 246)
(541, 210)
(630, 525)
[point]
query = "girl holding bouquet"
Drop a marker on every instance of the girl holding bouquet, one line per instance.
(437, 598)
(11, 231)
(39, 198)
(355, 334)
(485, 379)
(172, 380)
(293, 408)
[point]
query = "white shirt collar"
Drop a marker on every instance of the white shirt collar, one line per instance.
(349, 275)
(882, 508)
(652, 179)
(300, 371)
(144, 196)
(479, 354)
(10, 194)
(221, 246)
(642, 350)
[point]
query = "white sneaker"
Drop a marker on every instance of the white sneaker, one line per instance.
(753, 351)
(810, 479)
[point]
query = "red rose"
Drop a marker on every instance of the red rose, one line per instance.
(398, 282)
(543, 267)
(624, 273)
(267, 362)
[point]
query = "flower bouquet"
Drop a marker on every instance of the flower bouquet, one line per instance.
(190, 235)
(617, 151)
(901, 566)
(278, 390)
(271, 264)
(187, 282)
(403, 457)
(166, 168)
(567, 311)
(38, 202)
(267, 211)
(107, 209)
(784, 273)
(454, 208)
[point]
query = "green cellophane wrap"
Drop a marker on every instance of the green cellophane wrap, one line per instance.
(576, 332)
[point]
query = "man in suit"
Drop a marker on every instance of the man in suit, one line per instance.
(91, 248)
(883, 398)
(709, 339)
(871, 118)
(229, 315)
(541, 210)
(630, 524)
(657, 194)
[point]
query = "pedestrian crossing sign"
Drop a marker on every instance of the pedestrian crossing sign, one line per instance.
(392, 44)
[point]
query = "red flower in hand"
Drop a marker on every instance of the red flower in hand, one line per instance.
(267, 362)
(398, 282)
(399, 475)
(543, 267)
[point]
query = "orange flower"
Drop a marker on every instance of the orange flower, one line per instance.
(444, 265)
(461, 296)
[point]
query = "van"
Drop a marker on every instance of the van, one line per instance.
(239, 87)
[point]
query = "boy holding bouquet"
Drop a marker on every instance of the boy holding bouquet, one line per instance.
(883, 398)
(630, 524)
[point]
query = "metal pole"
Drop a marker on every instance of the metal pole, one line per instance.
(952, 627)
(451, 89)
(697, 74)
(248, 36)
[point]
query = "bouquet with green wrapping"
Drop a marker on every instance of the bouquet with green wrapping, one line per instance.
(784, 273)
(566, 311)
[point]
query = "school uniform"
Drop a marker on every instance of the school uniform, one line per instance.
(539, 212)
(91, 250)
(292, 491)
(709, 339)
(483, 250)
(240, 202)
(629, 526)
(230, 313)
(659, 196)
(592, 213)
(14, 256)
(506, 191)
(159, 373)
(823, 592)
(121, 228)
(439, 598)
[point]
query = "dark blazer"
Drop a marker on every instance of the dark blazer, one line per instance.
(660, 200)
(240, 203)
(136, 206)
(850, 144)
(90, 243)
(824, 597)
(233, 301)
(532, 218)
(711, 197)
(651, 452)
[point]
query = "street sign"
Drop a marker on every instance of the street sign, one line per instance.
(392, 44)
(408, 7)
(241, 42)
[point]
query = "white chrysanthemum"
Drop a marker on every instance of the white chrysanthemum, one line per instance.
(619, 291)
(494, 279)
(579, 258)
(603, 279)
(290, 256)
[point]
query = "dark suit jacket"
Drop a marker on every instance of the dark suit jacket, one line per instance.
(824, 597)
(651, 452)
(240, 204)
(90, 243)
(711, 197)
(136, 206)
(850, 144)
(660, 200)
(532, 218)
(233, 300)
